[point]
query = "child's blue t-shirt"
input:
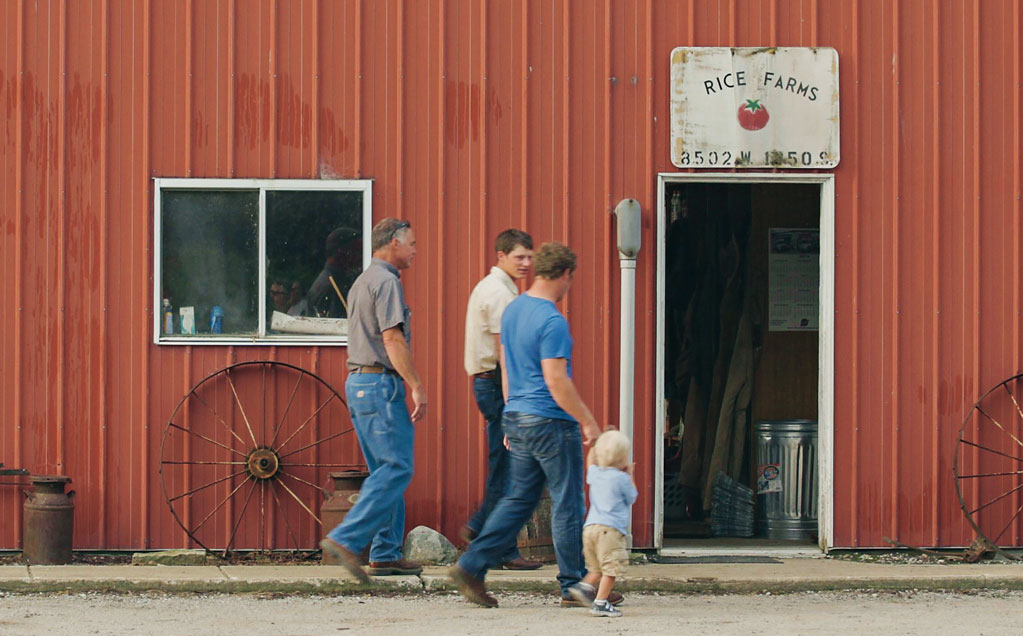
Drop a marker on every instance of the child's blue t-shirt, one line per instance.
(611, 497)
(532, 329)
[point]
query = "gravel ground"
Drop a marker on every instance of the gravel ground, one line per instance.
(926, 613)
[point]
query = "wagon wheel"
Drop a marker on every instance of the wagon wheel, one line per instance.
(245, 453)
(988, 465)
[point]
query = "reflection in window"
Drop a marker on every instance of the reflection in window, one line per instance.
(314, 250)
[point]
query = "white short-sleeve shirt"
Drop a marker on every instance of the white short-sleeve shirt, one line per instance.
(483, 319)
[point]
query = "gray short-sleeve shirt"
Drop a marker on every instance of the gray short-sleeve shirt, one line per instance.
(376, 303)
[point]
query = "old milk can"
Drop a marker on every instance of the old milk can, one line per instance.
(346, 492)
(49, 520)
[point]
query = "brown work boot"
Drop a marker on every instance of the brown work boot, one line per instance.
(348, 559)
(521, 563)
(467, 534)
(471, 588)
(392, 568)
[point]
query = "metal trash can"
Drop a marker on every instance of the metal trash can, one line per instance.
(786, 452)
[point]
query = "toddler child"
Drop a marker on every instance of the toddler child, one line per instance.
(612, 493)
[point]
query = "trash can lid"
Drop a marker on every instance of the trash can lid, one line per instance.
(780, 426)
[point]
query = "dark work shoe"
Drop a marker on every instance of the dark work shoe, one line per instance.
(468, 534)
(580, 595)
(521, 563)
(471, 588)
(393, 568)
(348, 559)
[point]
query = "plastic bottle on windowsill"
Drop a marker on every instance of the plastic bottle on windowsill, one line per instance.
(167, 314)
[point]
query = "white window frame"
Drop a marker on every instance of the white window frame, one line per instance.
(262, 185)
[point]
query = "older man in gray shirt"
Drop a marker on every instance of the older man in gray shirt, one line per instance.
(380, 365)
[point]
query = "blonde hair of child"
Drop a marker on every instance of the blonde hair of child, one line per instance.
(611, 449)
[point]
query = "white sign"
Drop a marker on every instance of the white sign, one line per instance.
(794, 279)
(754, 108)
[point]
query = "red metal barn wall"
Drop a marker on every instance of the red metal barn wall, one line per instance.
(472, 116)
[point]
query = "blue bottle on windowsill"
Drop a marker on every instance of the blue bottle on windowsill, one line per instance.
(216, 319)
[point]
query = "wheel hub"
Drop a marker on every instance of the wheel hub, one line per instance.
(263, 463)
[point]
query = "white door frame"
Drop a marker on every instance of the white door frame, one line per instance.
(825, 339)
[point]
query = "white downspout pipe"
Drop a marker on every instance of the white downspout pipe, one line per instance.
(629, 230)
(627, 363)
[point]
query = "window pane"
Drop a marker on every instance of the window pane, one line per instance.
(313, 237)
(210, 256)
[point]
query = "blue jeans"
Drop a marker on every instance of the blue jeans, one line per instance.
(490, 401)
(386, 434)
(543, 451)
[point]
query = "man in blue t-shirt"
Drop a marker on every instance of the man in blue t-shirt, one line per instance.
(546, 424)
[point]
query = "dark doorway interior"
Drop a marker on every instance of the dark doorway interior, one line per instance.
(741, 347)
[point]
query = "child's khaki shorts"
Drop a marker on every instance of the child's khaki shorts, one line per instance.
(604, 550)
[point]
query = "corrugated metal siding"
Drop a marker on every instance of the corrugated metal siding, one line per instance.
(473, 116)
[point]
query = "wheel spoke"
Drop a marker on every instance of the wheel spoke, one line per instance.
(211, 441)
(219, 506)
(1011, 519)
(996, 423)
(168, 461)
(1014, 472)
(219, 419)
(300, 502)
(325, 439)
(195, 490)
(241, 408)
(286, 409)
(263, 437)
(241, 516)
(308, 483)
(1012, 397)
(308, 419)
(998, 498)
(262, 516)
(280, 509)
(991, 450)
(322, 465)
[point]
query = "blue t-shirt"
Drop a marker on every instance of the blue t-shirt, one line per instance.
(532, 329)
(611, 497)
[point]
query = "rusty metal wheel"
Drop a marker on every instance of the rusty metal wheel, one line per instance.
(246, 454)
(988, 466)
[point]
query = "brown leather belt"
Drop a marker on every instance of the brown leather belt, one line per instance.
(374, 369)
(486, 375)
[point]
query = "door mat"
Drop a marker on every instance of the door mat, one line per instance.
(677, 560)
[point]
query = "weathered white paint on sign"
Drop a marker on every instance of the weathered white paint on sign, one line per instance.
(754, 107)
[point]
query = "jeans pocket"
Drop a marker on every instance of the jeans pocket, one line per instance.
(543, 440)
(362, 399)
(396, 390)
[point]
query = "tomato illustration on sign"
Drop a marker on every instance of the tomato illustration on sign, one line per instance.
(753, 115)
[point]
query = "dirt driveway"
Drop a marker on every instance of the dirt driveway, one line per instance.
(790, 615)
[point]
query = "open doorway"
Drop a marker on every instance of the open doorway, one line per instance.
(745, 282)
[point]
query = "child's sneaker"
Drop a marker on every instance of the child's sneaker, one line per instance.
(604, 608)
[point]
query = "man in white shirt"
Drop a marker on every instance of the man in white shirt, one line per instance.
(482, 357)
